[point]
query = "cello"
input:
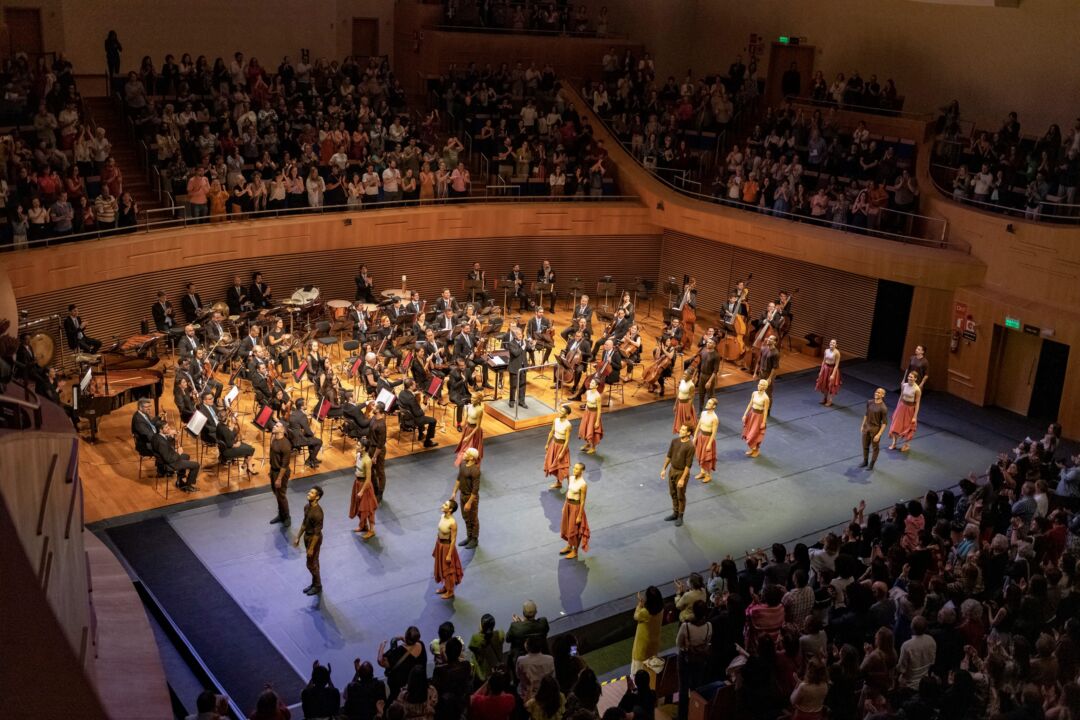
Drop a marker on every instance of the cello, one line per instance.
(665, 356)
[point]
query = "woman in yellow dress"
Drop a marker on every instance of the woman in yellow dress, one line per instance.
(218, 196)
(427, 183)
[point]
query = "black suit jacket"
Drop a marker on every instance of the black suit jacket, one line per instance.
(442, 303)
(531, 330)
(246, 346)
(261, 385)
(210, 428)
(463, 347)
(410, 405)
(458, 387)
(165, 450)
(72, 330)
(144, 431)
(692, 301)
(213, 332)
(235, 298)
(517, 356)
(586, 313)
(256, 296)
(615, 367)
(192, 307)
(542, 277)
(299, 425)
(162, 321)
(186, 347)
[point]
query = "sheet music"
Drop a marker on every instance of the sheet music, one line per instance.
(234, 391)
(387, 398)
(197, 423)
(85, 382)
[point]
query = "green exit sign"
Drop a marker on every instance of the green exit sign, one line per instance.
(1012, 323)
(784, 39)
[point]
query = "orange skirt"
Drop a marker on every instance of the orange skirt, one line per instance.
(753, 429)
(449, 573)
(574, 534)
(560, 467)
(684, 415)
(705, 452)
(825, 384)
(476, 441)
(363, 502)
(591, 429)
(903, 421)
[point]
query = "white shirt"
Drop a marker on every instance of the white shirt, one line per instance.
(390, 178)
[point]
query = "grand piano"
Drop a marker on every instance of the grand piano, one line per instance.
(123, 372)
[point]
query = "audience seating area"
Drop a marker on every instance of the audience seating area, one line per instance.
(526, 17)
(797, 162)
(1007, 172)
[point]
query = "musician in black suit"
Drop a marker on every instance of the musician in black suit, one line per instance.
(516, 281)
(236, 297)
(539, 331)
(518, 377)
(410, 406)
(770, 315)
(582, 311)
(301, 434)
(259, 292)
(230, 446)
(413, 306)
(163, 314)
(444, 324)
(192, 303)
(385, 338)
(620, 325)
(577, 344)
(446, 301)
(610, 356)
(546, 275)
(206, 407)
(26, 365)
(476, 273)
(465, 346)
(249, 343)
(729, 310)
(143, 430)
(365, 287)
(75, 332)
(163, 445)
(358, 318)
(187, 345)
(457, 386)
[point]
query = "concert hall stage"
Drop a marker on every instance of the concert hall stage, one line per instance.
(233, 583)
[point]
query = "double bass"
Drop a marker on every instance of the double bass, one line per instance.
(734, 344)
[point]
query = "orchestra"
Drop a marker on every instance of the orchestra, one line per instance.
(427, 355)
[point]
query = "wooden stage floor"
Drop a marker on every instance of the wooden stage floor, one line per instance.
(110, 467)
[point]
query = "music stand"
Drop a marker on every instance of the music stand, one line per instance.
(539, 288)
(576, 288)
(472, 287)
(606, 287)
(641, 289)
(672, 288)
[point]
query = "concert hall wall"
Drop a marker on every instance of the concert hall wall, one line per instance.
(115, 307)
(831, 303)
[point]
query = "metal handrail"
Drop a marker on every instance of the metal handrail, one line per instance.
(868, 109)
(181, 218)
(941, 241)
(528, 31)
(1002, 209)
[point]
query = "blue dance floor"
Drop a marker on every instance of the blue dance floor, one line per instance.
(806, 479)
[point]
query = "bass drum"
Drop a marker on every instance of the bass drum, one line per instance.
(44, 348)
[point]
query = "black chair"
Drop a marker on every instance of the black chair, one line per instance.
(145, 453)
(323, 336)
(406, 425)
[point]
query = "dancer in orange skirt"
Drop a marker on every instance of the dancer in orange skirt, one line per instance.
(906, 417)
(684, 403)
(473, 433)
(755, 418)
(705, 441)
(828, 379)
(363, 503)
(557, 449)
(574, 528)
(591, 429)
(448, 570)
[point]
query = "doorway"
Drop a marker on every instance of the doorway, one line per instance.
(365, 37)
(22, 31)
(891, 311)
(1015, 365)
(1049, 379)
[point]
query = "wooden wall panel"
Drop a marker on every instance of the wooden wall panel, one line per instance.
(831, 303)
(115, 307)
(929, 325)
